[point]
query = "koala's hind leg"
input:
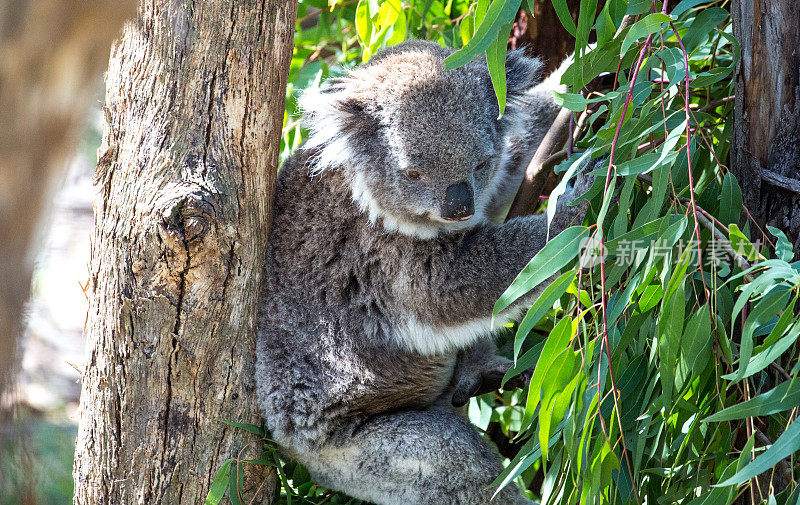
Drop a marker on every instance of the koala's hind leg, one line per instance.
(430, 457)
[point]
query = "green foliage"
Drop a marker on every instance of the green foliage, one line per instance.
(658, 354)
(665, 366)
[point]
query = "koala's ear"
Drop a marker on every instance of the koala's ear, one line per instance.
(335, 99)
(333, 113)
(522, 72)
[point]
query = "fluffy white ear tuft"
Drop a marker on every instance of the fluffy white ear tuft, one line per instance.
(332, 113)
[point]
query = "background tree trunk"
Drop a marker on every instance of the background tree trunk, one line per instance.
(542, 33)
(766, 136)
(51, 56)
(194, 107)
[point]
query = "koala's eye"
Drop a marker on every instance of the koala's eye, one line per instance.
(481, 166)
(414, 175)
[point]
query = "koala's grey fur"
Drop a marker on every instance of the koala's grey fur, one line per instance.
(375, 315)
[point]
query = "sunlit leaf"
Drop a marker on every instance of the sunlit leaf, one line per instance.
(219, 484)
(544, 302)
(646, 26)
(783, 397)
(500, 13)
(496, 61)
(571, 101)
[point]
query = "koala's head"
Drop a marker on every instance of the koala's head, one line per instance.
(422, 146)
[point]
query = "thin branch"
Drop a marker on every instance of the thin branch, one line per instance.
(627, 21)
(781, 371)
(689, 167)
(571, 135)
(605, 342)
(527, 198)
(583, 125)
(716, 103)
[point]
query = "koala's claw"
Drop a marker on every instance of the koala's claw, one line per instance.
(488, 381)
(519, 381)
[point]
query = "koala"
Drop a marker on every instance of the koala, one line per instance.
(383, 265)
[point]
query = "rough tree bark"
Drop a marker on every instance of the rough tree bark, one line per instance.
(51, 56)
(766, 137)
(194, 107)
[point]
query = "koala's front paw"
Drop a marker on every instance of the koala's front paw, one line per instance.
(487, 381)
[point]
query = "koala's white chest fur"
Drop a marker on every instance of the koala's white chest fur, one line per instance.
(427, 339)
(439, 339)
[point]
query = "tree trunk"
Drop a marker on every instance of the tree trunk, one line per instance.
(51, 56)
(194, 107)
(766, 134)
(542, 34)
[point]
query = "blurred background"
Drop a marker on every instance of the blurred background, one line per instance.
(52, 58)
(44, 402)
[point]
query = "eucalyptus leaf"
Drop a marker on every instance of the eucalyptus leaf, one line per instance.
(783, 248)
(783, 397)
(646, 26)
(219, 484)
(562, 11)
(500, 13)
(571, 101)
(730, 205)
(544, 302)
(496, 61)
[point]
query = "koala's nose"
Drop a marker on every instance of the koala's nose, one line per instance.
(458, 202)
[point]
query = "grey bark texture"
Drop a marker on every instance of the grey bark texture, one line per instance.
(765, 153)
(52, 54)
(194, 106)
